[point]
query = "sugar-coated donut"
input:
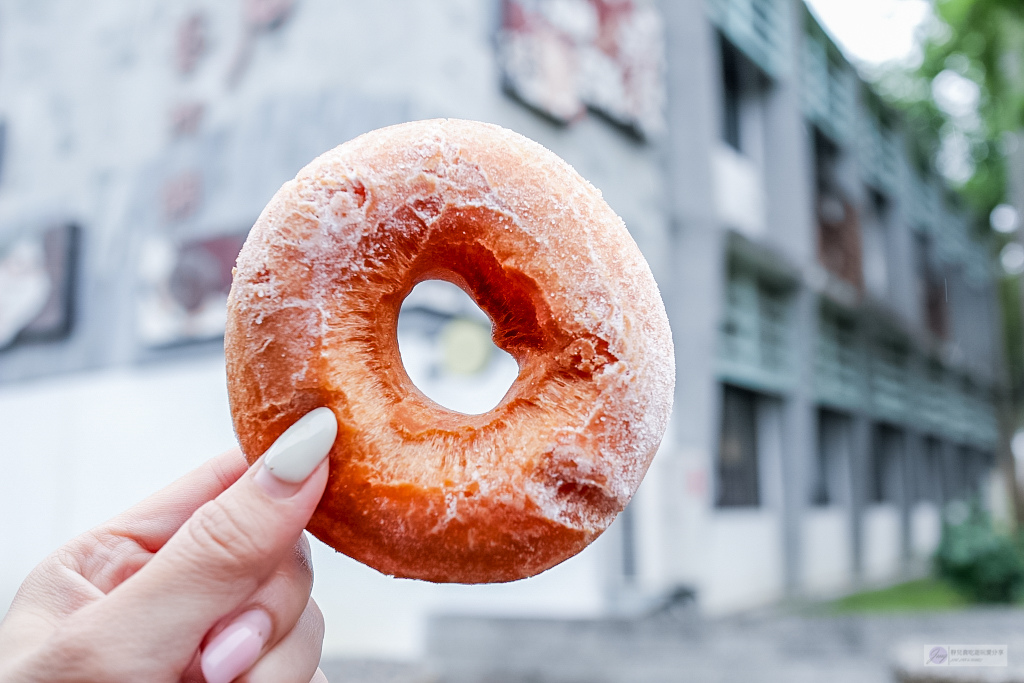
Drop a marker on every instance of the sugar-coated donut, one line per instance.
(417, 490)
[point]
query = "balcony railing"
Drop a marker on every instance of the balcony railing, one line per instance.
(754, 342)
(877, 152)
(759, 28)
(838, 366)
(885, 380)
(827, 90)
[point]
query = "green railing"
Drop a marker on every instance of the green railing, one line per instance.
(922, 201)
(838, 366)
(759, 28)
(828, 89)
(878, 152)
(890, 381)
(754, 342)
(884, 381)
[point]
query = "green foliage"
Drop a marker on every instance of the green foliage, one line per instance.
(982, 41)
(1013, 335)
(913, 596)
(977, 560)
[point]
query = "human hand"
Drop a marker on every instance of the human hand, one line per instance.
(209, 577)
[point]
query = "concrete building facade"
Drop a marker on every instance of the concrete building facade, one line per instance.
(834, 320)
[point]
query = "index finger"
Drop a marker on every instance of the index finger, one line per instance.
(110, 553)
(152, 522)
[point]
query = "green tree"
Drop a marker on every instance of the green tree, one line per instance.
(978, 46)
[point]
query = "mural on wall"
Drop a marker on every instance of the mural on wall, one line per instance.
(183, 288)
(190, 45)
(182, 196)
(562, 57)
(196, 202)
(259, 16)
(37, 278)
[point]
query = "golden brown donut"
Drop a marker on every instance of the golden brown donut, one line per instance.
(417, 490)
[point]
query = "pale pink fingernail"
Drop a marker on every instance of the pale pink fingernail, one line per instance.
(235, 649)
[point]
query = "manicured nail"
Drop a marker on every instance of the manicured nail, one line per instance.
(235, 649)
(297, 452)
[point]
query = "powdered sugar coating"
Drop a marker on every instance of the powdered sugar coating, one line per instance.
(417, 490)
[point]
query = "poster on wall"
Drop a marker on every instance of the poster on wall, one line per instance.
(562, 57)
(183, 288)
(37, 281)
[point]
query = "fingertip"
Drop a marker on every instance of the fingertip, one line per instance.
(297, 453)
(234, 650)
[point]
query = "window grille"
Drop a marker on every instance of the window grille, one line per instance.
(889, 381)
(737, 475)
(758, 28)
(978, 415)
(931, 287)
(830, 481)
(928, 474)
(754, 347)
(887, 453)
(839, 236)
(878, 151)
(838, 367)
(930, 398)
(828, 85)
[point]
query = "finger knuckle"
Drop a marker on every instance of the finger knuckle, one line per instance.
(219, 531)
(303, 559)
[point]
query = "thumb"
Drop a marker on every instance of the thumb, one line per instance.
(231, 545)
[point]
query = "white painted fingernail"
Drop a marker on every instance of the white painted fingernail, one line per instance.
(298, 451)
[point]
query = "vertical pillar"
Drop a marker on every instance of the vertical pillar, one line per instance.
(789, 196)
(913, 479)
(860, 471)
(695, 292)
(800, 424)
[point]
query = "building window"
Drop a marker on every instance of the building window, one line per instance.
(829, 481)
(970, 466)
(929, 481)
(731, 96)
(754, 342)
(931, 287)
(839, 243)
(876, 237)
(737, 450)
(743, 88)
(886, 482)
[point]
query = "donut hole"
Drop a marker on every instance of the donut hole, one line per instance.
(445, 343)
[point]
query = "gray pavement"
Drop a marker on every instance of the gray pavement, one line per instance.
(681, 647)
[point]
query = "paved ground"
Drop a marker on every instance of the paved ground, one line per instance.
(679, 647)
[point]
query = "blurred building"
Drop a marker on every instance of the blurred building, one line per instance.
(835, 322)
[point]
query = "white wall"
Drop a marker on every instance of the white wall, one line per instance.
(742, 560)
(925, 529)
(882, 542)
(826, 549)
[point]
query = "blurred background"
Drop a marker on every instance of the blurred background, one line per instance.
(829, 194)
